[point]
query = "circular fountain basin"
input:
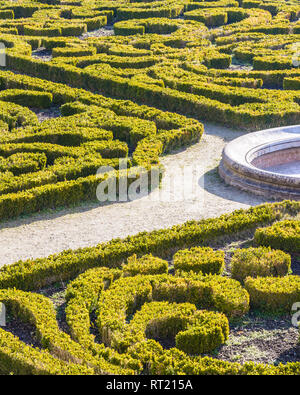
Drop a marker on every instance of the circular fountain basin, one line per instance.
(265, 163)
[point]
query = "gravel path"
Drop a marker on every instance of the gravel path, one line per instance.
(290, 168)
(47, 113)
(42, 54)
(86, 225)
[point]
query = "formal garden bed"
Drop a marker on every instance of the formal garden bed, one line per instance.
(87, 85)
(203, 297)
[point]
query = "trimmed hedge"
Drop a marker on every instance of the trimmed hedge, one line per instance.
(256, 109)
(23, 163)
(284, 235)
(147, 264)
(145, 131)
(21, 359)
(259, 262)
(69, 51)
(291, 83)
(195, 332)
(34, 99)
(38, 310)
(160, 306)
(273, 294)
(200, 260)
(126, 295)
(209, 330)
(163, 243)
(210, 17)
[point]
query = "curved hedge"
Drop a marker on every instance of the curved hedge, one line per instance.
(262, 36)
(284, 235)
(222, 61)
(99, 138)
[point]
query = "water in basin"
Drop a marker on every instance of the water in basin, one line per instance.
(288, 169)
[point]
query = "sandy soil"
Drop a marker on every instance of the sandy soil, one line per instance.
(86, 225)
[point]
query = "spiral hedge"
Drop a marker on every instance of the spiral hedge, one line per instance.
(123, 297)
(120, 74)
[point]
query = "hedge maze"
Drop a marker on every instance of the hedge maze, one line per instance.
(131, 81)
(53, 163)
(135, 89)
(162, 302)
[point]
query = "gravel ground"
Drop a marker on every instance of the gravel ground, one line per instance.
(255, 337)
(238, 65)
(261, 340)
(42, 54)
(50, 232)
(102, 32)
(47, 113)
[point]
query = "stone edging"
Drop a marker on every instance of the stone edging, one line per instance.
(237, 167)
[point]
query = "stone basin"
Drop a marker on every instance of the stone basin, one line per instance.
(265, 163)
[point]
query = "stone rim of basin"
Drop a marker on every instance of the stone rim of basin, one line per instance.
(245, 162)
(242, 151)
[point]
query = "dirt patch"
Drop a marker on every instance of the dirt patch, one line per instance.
(47, 113)
(240, 66)
(261, 340)
(296, 264)
(24, 331)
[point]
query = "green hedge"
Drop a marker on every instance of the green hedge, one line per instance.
(21, 359)
(36, 273)
(236, 106)
(23, 163)
(200, 259)
(271, 63)
(40, 31)
(160, 306)
(38, 310)
(273, 294)
(126, 295)
(210, 17)
(93, 133)
(259, 262)
(69, 51)
(284, 235)
(291, 83)
(209, 330)
(147, 264)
